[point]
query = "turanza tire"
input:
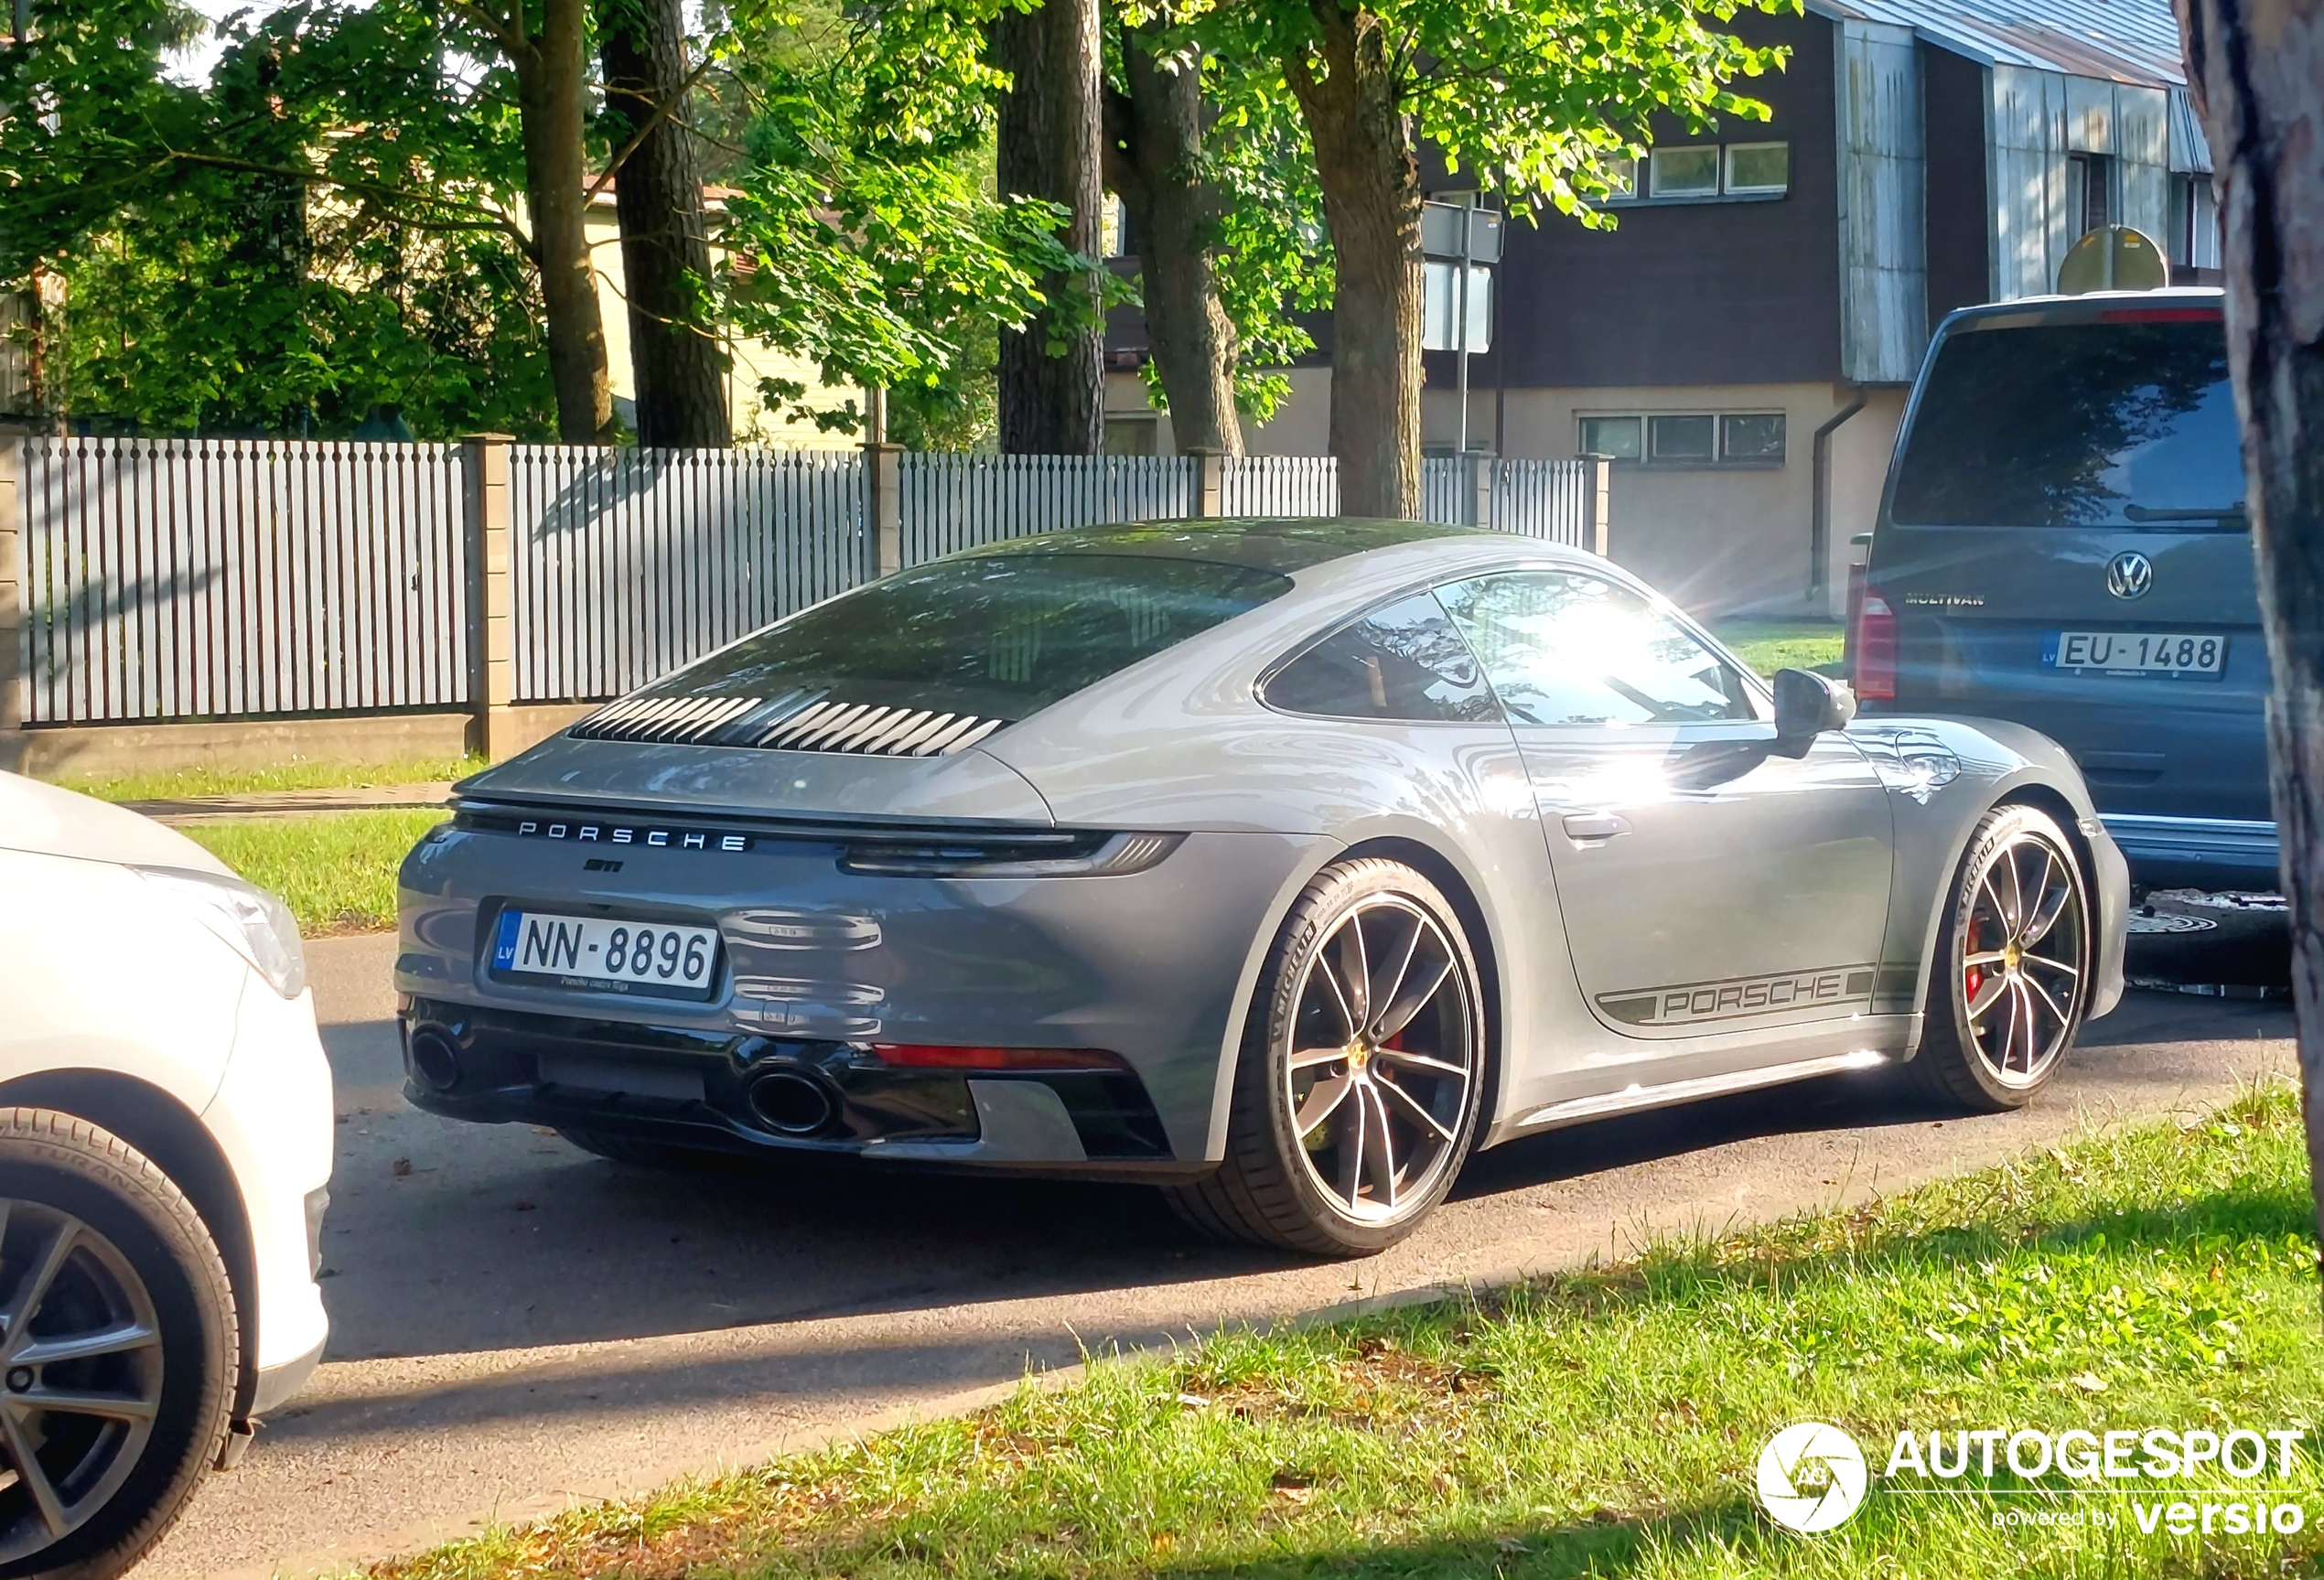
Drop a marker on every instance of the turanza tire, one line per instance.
(117, 1360)
(2013, 967)
(1361, 1072)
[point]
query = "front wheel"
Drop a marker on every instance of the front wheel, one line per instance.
(2013, 966)
(117, 1349)
(1361, 1072)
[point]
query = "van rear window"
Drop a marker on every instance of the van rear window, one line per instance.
(2075, 426)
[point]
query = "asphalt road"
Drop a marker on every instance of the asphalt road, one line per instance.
(515, 1324)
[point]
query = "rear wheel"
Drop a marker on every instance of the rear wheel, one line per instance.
(2013, 966)
(1361, 1072)
(117, 1349)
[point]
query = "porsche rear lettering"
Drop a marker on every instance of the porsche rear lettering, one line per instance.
(655, 838)
(1686, 1003)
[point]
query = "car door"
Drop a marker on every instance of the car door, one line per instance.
(1709, 883)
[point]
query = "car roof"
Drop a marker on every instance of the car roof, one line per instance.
(2093, 306)
(1279, 543)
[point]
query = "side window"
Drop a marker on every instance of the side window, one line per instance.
(1403, 662)
(1566, 649)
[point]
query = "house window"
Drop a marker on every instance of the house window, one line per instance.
(1686, 172)
(1687, 439)
(1620, 438)
(1758, 166)
(1701, 171)
(1131, 436)
(2194, 222)
(1680, 438)
(1751, 436)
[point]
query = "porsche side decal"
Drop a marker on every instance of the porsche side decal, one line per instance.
(1691, 1003)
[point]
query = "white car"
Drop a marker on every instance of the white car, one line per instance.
(165, 1137)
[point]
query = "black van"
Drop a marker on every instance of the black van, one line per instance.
(2062, 542)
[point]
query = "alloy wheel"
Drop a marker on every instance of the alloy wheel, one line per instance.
(2024, 951)
(81, 1374)
(1383, 1053)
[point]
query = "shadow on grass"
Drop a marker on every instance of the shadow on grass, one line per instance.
(1605, 1548)
(2215, 1220)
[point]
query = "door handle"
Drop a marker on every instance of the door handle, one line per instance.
(1581, 825)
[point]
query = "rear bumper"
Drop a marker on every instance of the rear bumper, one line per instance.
(2206, 852)
(677, 1087)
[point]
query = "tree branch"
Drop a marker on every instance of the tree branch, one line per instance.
(488, 219)
(661, 112)
(503, 31)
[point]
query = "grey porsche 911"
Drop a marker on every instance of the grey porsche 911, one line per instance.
(1281, 863)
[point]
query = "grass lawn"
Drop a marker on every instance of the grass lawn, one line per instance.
(1771, 645)
(337, 869)
(182, 782)
(1606, 1424)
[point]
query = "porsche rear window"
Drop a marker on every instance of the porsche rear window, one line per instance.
(998, 636)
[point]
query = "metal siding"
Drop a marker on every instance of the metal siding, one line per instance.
(2190, 149)
(2142, 151)
(2028, 189)
(2107, 40)
(2090, 116)
(1882, 179)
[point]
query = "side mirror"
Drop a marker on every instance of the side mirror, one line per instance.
(1806, 705)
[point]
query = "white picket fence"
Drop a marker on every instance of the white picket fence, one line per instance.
(222, 579)
(630, 563)
(234, 578)
(949, 502)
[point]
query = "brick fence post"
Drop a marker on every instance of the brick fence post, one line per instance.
(884, 505)
(1601, 502)
(487, 529)
(1210, 483)
(1482, 470)
(16, 684)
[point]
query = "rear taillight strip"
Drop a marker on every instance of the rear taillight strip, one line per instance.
(1875, 651)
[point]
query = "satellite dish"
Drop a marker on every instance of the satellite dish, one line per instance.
(2113, 258)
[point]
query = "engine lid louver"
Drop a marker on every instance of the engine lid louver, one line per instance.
(798, 722)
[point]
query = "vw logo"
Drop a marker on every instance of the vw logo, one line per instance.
(2129, 574)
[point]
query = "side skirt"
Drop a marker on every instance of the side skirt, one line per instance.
(1573, 1111)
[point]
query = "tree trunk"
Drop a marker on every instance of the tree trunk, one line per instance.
(1050, 147)
(1372, 202)
(1153, 160)
(548, 81)
(674, 358)
(2256, 67)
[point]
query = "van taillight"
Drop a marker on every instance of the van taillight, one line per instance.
(1876, 650)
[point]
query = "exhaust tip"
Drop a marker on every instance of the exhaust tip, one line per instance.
(789, 1103)
(435, 1063)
